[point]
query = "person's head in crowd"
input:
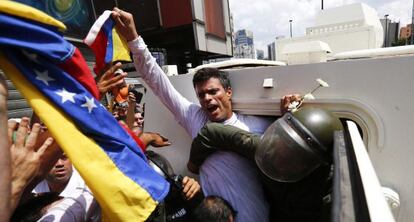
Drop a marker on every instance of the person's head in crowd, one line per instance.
(35, 208)
(120, 110)
(214, 208)
(214, 93)
(138, 120)
(59, 176)
(115, 113)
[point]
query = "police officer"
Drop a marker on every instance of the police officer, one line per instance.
(184, 195)
(293, 158)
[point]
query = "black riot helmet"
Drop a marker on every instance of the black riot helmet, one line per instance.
(297, 143)
(160, 164)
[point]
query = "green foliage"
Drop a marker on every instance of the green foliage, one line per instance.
(400, 42)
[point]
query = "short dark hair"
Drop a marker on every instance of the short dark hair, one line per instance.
(205, 74)
(34, 209)
(214, 208)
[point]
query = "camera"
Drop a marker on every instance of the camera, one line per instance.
(138, 95)
(177, 181)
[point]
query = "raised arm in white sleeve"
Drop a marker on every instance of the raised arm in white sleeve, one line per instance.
(188, 114)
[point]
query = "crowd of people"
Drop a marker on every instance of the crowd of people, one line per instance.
(238, 180)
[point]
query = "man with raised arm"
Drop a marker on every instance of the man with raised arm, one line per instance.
(223, 173)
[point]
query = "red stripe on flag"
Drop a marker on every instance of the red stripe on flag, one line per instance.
(135, 137)
(76, 67)
(99, 47)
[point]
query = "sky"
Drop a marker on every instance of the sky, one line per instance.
(270, 18)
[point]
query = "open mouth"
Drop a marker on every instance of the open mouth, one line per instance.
(212, 108)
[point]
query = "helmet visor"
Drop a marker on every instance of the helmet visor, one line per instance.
(284, 154)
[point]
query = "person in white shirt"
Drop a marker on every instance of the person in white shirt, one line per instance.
(214, 93)
(77, 204)
(62, 179)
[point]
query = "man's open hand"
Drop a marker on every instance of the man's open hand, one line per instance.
(26, 157)
(154, 139)
(109, 80)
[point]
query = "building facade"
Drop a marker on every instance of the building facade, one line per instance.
(259, 54)
(201, 30)
(391, 30)
(346, 28)
(244, 45)
(271, 51)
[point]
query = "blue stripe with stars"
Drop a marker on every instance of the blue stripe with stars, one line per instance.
(41, 38)
(91, 118)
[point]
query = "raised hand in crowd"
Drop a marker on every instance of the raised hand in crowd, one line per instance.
(130, 118)
(109, 79)
(5, 165)
(125, 24)
(30, 157)
(190, 187)
(154, 139)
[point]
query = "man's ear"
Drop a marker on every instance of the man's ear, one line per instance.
(229, 92)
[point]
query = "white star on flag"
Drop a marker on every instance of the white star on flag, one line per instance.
(90, 104)
(66, 96)
(43, 76)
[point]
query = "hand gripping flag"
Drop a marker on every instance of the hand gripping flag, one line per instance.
(105, 42)
(53, 77)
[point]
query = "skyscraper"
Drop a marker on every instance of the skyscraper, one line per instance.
(244, 44)
(259, 54)
(391, 30)
(271, 51)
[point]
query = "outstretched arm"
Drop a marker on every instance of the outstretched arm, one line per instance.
(216, 136)
(154, 139)
(183, 110)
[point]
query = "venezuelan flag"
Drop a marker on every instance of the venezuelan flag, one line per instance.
(105, 42)
(54, 78)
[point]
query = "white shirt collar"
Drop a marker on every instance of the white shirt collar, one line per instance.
(232, 120)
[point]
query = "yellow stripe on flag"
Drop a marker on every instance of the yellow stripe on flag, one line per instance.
(120, 198)
(120, 48)
(24, 11)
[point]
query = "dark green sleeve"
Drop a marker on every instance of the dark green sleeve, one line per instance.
(216, 136)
